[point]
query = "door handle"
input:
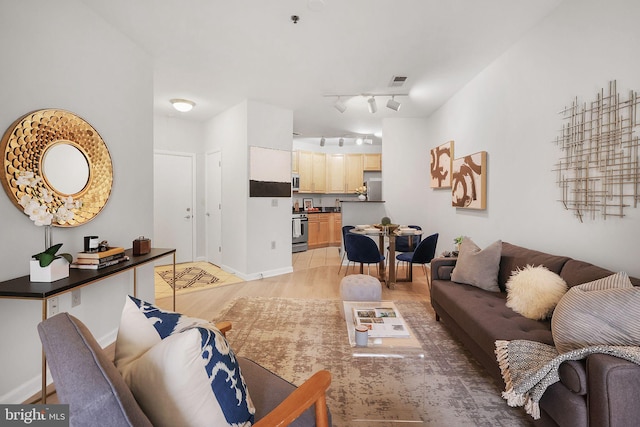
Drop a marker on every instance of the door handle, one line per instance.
(187, 216)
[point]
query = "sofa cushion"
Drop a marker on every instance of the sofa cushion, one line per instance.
(478, 267)
(514, 257)
(604, 311)
(534, 291)
(191, 378)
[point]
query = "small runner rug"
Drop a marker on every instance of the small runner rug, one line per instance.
(295, 338)
(193, 276)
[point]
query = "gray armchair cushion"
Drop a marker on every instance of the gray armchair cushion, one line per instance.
(85, 378)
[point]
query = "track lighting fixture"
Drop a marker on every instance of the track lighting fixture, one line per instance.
(359, 141)
(341, 142)
(372, 105)
(371, 100)
(393, 104)
(322, 141)
(182, 105)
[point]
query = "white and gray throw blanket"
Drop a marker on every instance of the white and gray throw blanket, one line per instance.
(529, 367)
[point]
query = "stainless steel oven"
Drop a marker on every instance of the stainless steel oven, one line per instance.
(299, 232)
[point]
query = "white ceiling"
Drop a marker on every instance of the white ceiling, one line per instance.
(219, 53)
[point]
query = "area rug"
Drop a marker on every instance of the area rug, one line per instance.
(193, 276)
(295, 338)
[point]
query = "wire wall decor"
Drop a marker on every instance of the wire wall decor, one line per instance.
(598, 172)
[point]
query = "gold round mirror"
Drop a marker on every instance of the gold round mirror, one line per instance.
(58, 161)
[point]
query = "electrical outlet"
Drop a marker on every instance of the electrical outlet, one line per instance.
(274, 203)
(54, 308)
(76, 298)
(273, 244)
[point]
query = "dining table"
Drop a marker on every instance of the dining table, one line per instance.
(390, 233)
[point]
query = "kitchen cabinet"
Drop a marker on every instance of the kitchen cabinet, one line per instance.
(325, 229)
(354, 172)
(336, 174)
(372, 162)
(318, 230)
(312, 170)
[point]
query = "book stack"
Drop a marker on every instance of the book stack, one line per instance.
(97, 260)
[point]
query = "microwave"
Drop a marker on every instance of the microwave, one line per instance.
(295, 182)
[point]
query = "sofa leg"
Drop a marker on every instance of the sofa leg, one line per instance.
(437, 317)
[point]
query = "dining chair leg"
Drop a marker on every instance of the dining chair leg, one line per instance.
(341, 261)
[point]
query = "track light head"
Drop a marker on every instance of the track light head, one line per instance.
(393, 104)
(359, 141)
(322, 141)
(341, 142)
(340, 106)
(372, 105)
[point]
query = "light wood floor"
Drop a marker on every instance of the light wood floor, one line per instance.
(315, 276)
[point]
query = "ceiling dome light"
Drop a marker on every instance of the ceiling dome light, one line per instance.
(393, 104)
(341, 142)
(372, 105)
(182, 105)
(340, 106)
(322, 141)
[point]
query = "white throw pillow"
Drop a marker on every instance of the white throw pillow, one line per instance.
(534, 291)
(180, 369)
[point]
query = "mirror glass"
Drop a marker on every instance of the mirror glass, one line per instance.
(66, 168)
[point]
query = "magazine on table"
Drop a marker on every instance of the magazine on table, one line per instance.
(381, 321)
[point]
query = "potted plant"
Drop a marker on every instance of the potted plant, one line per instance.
(456, 244)
(48, 266)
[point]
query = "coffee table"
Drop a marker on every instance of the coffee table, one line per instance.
(385, 397)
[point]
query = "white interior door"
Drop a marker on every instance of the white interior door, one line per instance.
(173, 202)
(214, 207)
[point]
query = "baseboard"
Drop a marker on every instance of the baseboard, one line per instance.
(258, 275)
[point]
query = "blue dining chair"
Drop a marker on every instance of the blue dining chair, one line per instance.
(423, 255)
(363, 250)
(407, 243)
(345, 230)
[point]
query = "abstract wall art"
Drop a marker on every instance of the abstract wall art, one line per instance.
(469, 181)
(441, 164)
(269, 172)
(598, 172)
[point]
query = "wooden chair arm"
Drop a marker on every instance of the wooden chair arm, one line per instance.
(224, 327)
(311, 391)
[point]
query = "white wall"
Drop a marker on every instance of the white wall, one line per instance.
(66, 57)
(511, 111)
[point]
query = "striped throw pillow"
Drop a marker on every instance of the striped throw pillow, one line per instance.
(602, 312)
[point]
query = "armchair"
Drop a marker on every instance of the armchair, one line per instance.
(89, 382)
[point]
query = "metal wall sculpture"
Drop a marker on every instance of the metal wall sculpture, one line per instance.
(599, 173)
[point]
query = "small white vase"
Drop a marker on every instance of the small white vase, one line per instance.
(362, 197)
(58, 269)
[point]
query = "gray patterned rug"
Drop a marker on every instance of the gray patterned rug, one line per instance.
(295, 337)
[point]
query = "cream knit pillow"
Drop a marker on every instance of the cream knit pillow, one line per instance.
(534, 291)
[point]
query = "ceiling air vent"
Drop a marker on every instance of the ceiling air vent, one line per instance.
(397, 81)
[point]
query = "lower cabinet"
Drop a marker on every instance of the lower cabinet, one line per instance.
(323, 230)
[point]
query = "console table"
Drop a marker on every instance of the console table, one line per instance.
(23, 288)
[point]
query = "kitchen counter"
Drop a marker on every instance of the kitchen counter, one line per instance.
(320, 210)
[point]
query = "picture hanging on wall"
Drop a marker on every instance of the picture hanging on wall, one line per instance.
(469, 181)
(441, 159)
(269, 172)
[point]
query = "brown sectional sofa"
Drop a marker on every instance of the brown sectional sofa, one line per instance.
(599, 391)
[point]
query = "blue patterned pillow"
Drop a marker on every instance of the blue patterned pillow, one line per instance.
(181, 370)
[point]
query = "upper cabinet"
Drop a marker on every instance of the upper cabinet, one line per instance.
(373, 162)
(312, 170)
(333, 173)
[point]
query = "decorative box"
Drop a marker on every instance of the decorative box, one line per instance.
(141, 246)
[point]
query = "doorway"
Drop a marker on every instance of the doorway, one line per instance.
(173, 203)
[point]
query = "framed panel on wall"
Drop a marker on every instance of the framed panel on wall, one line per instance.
(441, 165)
(469, 181)
(269, 172)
